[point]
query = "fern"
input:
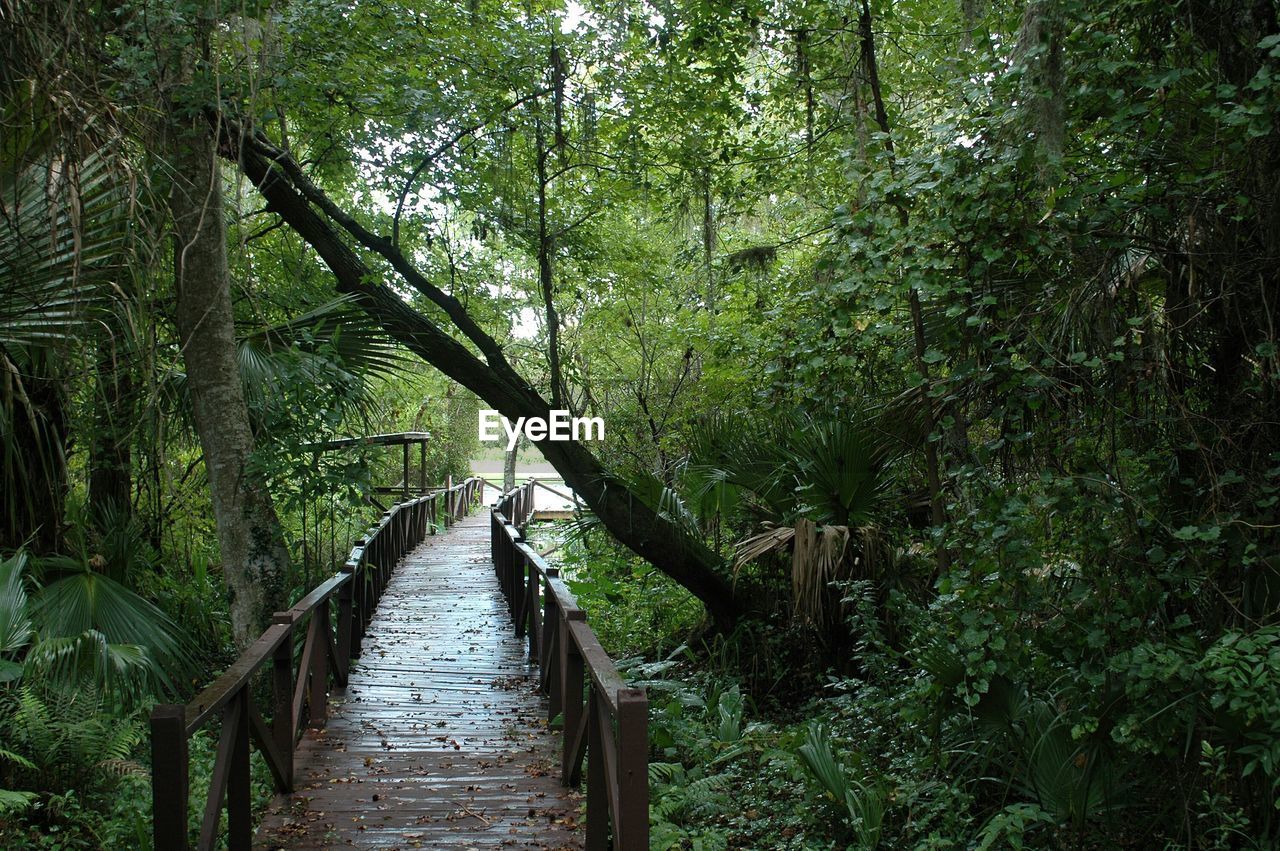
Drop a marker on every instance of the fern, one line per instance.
(13, 803)
(60, 740)
(681, 794)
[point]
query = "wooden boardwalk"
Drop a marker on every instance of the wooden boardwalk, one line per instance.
(439, 740)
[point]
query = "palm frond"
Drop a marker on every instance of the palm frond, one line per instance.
(816, 558)
(863, 803)
(663, 499)
(75, 661)
(15, 623)
(89, 604)
(64, 237)
(360, 344)
(769, 540)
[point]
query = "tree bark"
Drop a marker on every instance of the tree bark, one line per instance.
(254, 557)
(683, 558)
(509, 469)
(546, 277)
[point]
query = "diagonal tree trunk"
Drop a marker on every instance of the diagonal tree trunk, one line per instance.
(684, 558)
(254, 557)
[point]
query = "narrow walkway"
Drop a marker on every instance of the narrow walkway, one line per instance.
(439, 740)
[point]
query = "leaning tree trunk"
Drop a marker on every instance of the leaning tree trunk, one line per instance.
(254, 557)
(637, 525)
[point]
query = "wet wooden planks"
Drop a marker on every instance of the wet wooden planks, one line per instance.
(439, 740)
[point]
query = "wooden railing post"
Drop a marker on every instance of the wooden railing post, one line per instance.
(448, 501)
(344, 642)
(386, 550)
(169, 776)
(631, 822)
(519, 564)
(359, 592)
(510, 581)
(239, 789)
(597, 780)
(533, 611)
(571, 679)
(493, 543)
(283, 734)
(546, 643)
(405, 491)
(318, 695)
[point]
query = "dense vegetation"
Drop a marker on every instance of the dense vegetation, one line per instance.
(935, 339)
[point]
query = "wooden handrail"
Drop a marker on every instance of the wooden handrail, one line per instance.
(609, 729)
(299, 688)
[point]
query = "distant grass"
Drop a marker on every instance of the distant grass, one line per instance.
(495, 452)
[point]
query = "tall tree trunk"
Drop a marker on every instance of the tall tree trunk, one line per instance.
(509, 468)
(1039, 48)
(254, 557)
(546, 276)
(708, 241)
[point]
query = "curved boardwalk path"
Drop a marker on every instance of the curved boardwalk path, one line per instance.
(440, 738)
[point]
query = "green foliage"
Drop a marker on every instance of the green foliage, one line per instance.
(829, 470)
(1010, 826)
(84, 630)
(1038, 242)
(717, 780)
(1241, 674)
(635, 608)
(65, 750)
(863, 804)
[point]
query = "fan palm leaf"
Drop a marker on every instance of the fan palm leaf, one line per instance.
(127, 670)
(88, 622)
(333, 343)
(64, 251)
(15, 621)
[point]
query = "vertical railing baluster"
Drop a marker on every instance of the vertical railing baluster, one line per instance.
(571, 672)
(546, 646)
(448, 501)
(346, 615)
(386, 550)
(361, 601)
(532, 610)
(514, 579)
(493, 542)
(318, 688)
